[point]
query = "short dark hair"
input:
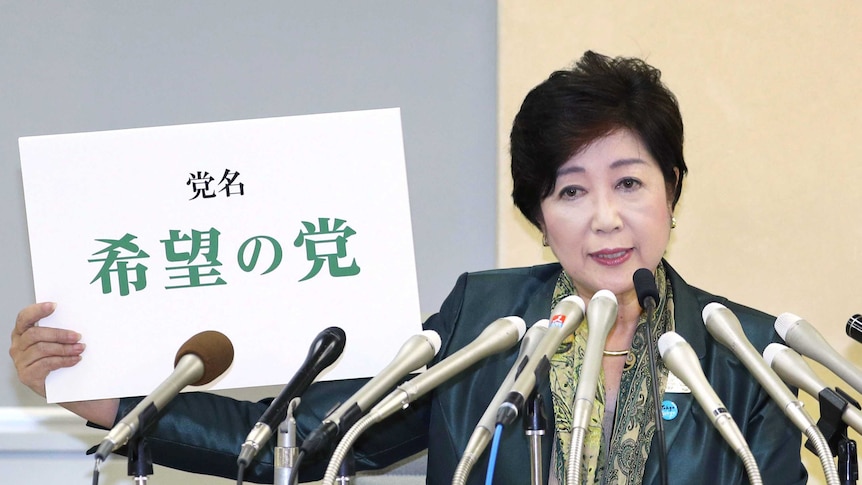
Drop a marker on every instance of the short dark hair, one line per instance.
(574, 107)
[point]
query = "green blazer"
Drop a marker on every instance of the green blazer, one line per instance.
(203, 433)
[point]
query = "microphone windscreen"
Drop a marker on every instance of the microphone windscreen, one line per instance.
(215, 351)
(668, 340)
(771, 351)
(433, 339)
(784, 323)
(645, 286)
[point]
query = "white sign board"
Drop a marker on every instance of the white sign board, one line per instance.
(267, 230)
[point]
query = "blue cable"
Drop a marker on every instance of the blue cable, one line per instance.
(492, 458)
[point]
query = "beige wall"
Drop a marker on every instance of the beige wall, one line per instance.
(770, 96)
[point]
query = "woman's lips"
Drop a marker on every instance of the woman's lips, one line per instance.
(612, 257)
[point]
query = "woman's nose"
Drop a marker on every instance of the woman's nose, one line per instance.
(606, 215)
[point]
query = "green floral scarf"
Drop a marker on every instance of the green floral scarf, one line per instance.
(618, 458)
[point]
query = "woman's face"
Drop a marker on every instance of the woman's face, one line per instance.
(608, 215)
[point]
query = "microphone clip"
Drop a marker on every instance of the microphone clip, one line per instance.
(140, 460)
(535, 419)
(535, 424)
(834, 429)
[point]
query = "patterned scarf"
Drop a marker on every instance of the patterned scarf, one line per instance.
(619, 458)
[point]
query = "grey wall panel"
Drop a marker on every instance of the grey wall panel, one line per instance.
(104, 65)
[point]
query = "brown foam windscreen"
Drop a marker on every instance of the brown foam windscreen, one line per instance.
(214, 349)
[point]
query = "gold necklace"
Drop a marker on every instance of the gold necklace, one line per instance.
(615, 353)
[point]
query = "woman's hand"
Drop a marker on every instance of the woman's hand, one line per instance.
(37, 350)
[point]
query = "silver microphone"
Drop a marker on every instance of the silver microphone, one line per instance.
(566, 316)
(199, 361)
(601, 316)
(802, 337)
(417, 351)
(793, 369)
(498, 336)
(484, 429)
(680, 359)
(723, 325)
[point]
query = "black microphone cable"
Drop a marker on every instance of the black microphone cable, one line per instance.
(647, 292)
(294, 472)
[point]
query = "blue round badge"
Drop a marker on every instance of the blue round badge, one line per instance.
(669, 410)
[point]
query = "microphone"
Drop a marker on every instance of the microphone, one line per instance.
(802, 337)
(601, 316)
(793, 369)
(199, 360)
(646, 289)
(566, 317)
(723, 325)
(324, 351)
(854, 328)
(485, 427)
(417, 351)
(647, 293)
(496, 337)
(679, 357)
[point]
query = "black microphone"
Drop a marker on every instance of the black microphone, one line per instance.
(647, 293)
(646, 289)
(416, 352)
(200, 360)
(326, 348)
(854, 328)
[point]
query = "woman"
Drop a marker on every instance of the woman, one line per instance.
(598, 167)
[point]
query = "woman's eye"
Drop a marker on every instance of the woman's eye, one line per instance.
(629, 184)
(571, 192)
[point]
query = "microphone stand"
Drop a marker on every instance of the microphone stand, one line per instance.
(834, 429)
(348, 468)
(659, 425)
(648, 297)
(286, 451)
(140, 460)
(535, 423)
